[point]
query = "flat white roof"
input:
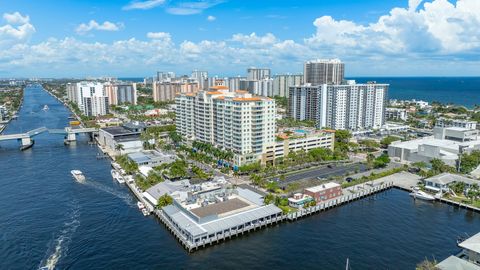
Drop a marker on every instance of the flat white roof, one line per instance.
(323, 187)
(472, 243)
(453, 262)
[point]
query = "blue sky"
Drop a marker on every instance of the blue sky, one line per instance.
(135, 38)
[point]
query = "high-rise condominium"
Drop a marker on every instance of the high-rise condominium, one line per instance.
(281, 83)
(120, 93)
(235, 121)
(90, 97)
(349, 106)
(166, 91)
(320, 71)
(256, 74)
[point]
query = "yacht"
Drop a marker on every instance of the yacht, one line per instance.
(117, 176)
(418, 194)
(78, 175)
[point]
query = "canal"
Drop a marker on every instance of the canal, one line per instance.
(47, 219)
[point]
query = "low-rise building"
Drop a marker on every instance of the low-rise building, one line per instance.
(122, 139)
(212, 210)
(460, 123)
(324, 192)
(443, 181)
(299, 139)
(299, 200)
(446, 145)
(468, 259)
(396, 114)
(151, 158)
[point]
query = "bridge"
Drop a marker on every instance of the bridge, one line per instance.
(26, 138)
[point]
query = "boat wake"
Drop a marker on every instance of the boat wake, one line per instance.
(125, 197)
(59, 246)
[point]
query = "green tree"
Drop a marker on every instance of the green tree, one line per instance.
(385, 142)
(164, 200)
(272, 186)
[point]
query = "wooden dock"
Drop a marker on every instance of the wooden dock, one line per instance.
(338, 202)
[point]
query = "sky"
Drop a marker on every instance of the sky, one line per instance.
(136, 38)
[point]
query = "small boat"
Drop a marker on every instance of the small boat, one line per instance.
(145, 212)
(116, 166)
(117, 176)
(78, 175)
(45, 108)
(140, 205)
(418, 194)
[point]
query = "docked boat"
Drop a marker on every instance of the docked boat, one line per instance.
(78, 175)
(115, 165)
(140, 205)
(145, 212)
(117, 176)
(418, 194)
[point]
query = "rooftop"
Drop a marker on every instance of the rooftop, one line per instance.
(220, 208)
(323, 187)
(472, 243)
(447, 178)
(456, 263)
(118, 130)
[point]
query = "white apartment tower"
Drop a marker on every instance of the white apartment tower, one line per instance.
(236, 121)
(256, 74)
(349, 106)
(318, 72)
(90, 97)
(281, 83)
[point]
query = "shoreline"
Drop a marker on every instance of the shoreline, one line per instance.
(159, 214)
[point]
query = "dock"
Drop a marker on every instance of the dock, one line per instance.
(339, 201)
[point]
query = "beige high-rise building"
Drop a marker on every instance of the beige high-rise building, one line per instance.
(235, 121)
(166, 91)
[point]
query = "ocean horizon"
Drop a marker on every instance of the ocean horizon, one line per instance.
(464, 91)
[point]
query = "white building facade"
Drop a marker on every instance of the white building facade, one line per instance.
(90, 97)
(234, 121)
(348, 106)
(282, 83)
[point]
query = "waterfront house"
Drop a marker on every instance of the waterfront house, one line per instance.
(299, 200)
(324, 192)
(468, 258)
(443, 181)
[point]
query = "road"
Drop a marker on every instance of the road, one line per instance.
(324, 172)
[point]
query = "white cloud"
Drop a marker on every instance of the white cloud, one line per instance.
(144, 4)
(16, 18)
(211, 18)
(159, 35)
(93, 25)
(192, 7)
(435, 34)
(437, 27)
(17, 30)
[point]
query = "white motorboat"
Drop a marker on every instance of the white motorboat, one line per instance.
(117, 176)
(145, 212)
(116, 166)
(78, 175)
(45, 108)
(140, 205)
(418, 194)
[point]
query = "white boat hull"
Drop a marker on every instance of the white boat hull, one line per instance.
(422, 196)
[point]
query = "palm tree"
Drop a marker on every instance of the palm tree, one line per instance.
(119, 147)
